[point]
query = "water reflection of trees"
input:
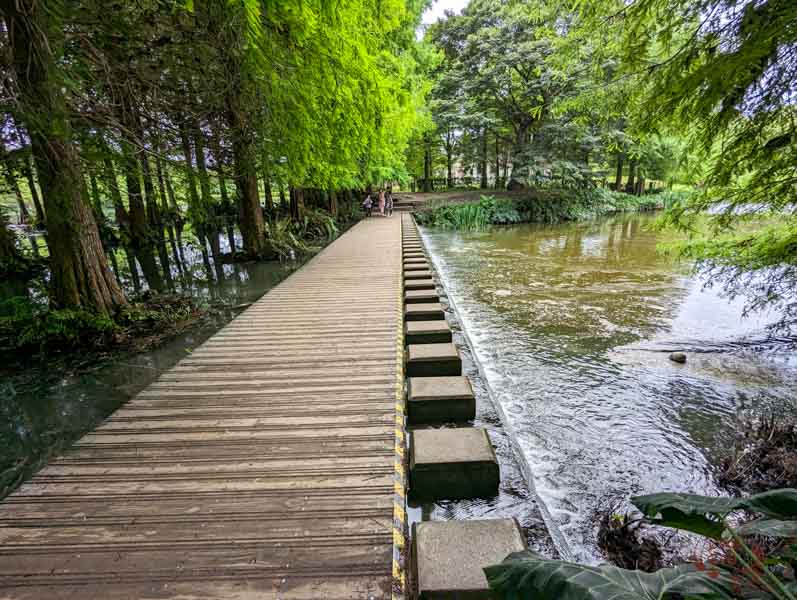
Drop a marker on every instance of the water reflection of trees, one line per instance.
(595, 285)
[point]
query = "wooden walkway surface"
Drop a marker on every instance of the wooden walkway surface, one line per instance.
(260, 466)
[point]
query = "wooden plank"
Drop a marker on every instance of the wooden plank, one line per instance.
(261, 466)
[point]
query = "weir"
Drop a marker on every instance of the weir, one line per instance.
(266, 464)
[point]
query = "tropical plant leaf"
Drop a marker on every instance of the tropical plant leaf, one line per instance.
(527, 575)
(779, 504)
(704, 514)
(769, 527)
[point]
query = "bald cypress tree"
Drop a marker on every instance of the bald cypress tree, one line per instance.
(80, 274)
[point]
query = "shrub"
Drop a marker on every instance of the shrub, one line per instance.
(472, 215)
(284, 242)
(28, 326)
(316, 224)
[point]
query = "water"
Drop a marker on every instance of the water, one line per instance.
(42, 412)
(572, 325)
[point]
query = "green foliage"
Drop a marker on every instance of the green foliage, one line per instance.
(721, 75)
(316, 224)
(542, 206)
(526, 575)
(32, 327)
(28, 326)
(472, 215)
(758, 263)
(285, 244)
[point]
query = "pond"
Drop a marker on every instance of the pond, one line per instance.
(43, 411)
(572, 326)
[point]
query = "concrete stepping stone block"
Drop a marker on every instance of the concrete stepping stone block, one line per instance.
(448, 556)
(433, 360)
(450, 464)
(420, 284)
(417, 274)
(420, 296)
(440, 400)
(415, 260)
(427, 332)
(409, 255)
(416, 267)
(426, 311)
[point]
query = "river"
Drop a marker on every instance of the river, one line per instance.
(571, 326)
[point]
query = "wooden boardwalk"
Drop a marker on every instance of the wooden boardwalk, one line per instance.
(260, 466)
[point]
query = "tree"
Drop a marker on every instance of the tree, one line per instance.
(724, 72)
(80, 274)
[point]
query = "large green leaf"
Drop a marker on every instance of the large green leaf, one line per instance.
(769, 527)
(704, 514)
(527, 575)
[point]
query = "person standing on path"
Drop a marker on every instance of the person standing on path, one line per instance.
(368, 205)
(382, 201)
(389, 203)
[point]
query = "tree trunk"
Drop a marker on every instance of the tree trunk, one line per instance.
(483, 184)
(140, 239)
(449, 168)
(154, 218)
(283, 200)
(80, 276)
(211, 226)
(226, 207)
(497, 164)
(296, 203)
(34, 192)
(9, 253)
(11, 180)
(427, 167)
(618, 178)
(630, 185)
(267, 201)
(251, 220)
(519, 168)
(333, 203)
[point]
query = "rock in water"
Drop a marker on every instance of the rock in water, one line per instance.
(678, 357)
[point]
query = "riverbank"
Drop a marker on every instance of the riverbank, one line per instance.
(475, 210)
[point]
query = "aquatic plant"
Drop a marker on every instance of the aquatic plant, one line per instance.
(744, 571)
(489, 210)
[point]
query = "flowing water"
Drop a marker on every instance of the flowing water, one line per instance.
(572, 326)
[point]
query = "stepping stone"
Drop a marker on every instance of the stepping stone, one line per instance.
(427, 332)
(425, 311)
(421, 296)
(433, 360)
(448, 556)
(440, 400)
(416, 267)
(413, 249)
(417, 274)
(414, 255)
(451, 464)
(420, 284)
(415, 260)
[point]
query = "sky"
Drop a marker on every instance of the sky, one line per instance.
(439, 7)
(435, 12)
